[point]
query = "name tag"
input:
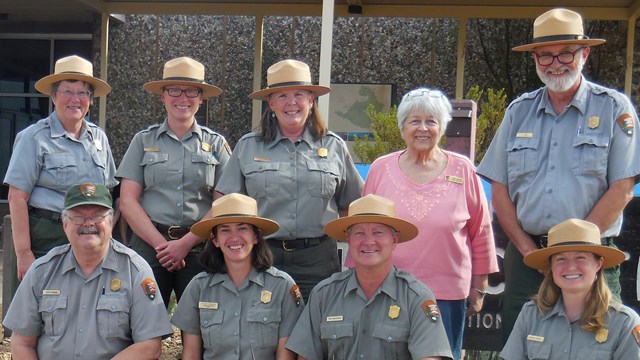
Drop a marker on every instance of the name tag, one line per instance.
(151, 149)
(208, 305)
(535, 338)
(334, 318)
(454, 179)
(261, 159)
(524, 135)
(50, 292)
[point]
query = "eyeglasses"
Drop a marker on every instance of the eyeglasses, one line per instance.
(564, 58)
(93, 219)
(82, 95)
(422, 92)
(191, 93)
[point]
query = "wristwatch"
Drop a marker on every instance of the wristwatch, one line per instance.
(481, 292)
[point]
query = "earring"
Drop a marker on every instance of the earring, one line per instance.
(273, 115)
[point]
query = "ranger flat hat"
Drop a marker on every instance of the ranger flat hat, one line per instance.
(573, 235)
(371, 209)
(558, 26)
(183, 71)
(288, 74)
(73, 68)
(234, 208)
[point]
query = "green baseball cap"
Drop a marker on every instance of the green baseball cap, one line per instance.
(87, 194)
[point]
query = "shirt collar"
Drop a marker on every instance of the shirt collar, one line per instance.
(388, 285)
(304, 137)
(57, 130)
(164, 128)
(109, 262)
(579, 100)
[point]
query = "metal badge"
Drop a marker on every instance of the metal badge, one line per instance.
(593, 122)
(394, 311)
(115, 285)
(206, 147)
(265, 296)
(323, 152)
(602, 335)
(98, 144)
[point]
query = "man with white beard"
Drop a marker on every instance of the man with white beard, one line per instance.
(566, 150)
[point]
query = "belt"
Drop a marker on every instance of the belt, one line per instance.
(541, 240)
(297, 244)
(45, 214)
(174, 232)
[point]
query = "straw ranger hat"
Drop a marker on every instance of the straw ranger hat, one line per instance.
(73, 68)
(573, 235)
(371, 209)
(288, 74)
(234, 208)
(183, 71)
(558, 26)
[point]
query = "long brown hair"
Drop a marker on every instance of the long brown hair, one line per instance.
(315, 123)
(594, 316)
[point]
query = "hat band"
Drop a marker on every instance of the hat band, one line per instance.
(290, 83)
(574, 243)
(233, 215)
(177, 78)
(559, 38)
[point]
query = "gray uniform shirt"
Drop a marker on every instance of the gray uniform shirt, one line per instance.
(47, 160)
(177, 176)
(244, 323)
(551, 336)
(87, 318)
(299, 185)
(558, 167)
(396, 323)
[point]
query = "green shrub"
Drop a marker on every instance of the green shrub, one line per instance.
(491, 110)
(386, 136)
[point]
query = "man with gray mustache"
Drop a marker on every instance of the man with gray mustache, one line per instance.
(90, 299)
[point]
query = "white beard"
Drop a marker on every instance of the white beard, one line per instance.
(562, 83)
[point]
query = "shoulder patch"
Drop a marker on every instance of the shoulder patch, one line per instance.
(636, 334)
(149, 287)
(431, 310)
(295, 294)
(227, 147)
(626, 123)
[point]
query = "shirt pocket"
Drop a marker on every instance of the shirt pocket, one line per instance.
(538, 351)
(522, 157)
(322, 178)
(395, 340)
(60, 170)
(337, 338)
(155, 165)
(589, 155)
(113, 316)
(261, 178)
(204, 169)
(264, 325)
(211, 329)
(53, 310)
(591, 353)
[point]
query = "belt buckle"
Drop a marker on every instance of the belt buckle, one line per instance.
(284, 246)
(170, 229)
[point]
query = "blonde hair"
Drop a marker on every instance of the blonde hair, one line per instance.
(594, 316)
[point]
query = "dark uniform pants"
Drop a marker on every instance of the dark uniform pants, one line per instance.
(168, 281)
(307, 266)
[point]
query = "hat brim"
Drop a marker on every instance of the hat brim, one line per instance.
(203, 227)
(158, 86)
(263, 94)
(540, 259)
(100, 87)
(90, 202)
(584, 42)
(337, 229)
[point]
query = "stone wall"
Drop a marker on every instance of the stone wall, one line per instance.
(406, 52)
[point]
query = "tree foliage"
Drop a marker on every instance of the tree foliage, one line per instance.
(386, 136)
(491, 109)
